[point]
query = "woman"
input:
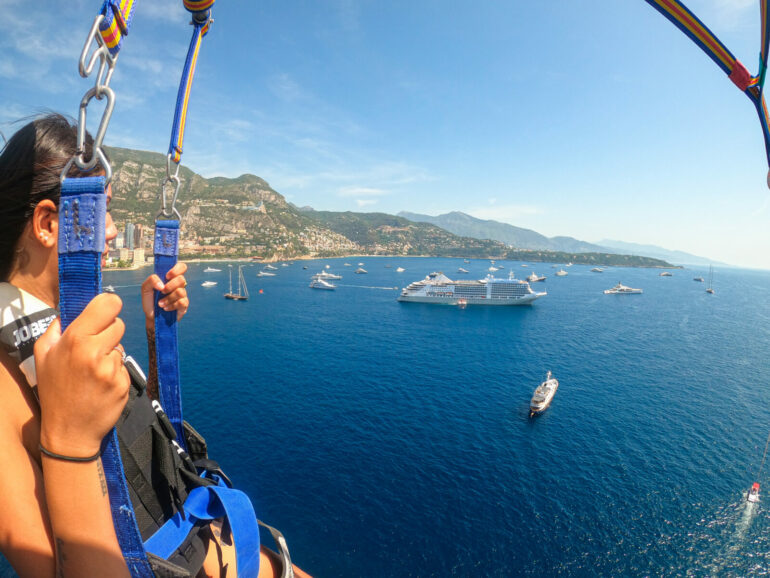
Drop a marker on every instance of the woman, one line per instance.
(54, 509)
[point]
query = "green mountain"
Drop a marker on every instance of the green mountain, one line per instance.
(245, 217)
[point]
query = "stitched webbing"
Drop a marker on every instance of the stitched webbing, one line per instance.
(82, 213)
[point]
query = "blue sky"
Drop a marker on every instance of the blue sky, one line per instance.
(594, 119)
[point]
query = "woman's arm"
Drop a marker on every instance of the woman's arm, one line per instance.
(54, 514)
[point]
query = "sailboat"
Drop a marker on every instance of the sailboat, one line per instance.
(243, 291)
(711, 279)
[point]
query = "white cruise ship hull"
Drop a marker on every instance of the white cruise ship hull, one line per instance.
(524, 300)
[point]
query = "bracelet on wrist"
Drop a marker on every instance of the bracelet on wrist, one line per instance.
(62, 458)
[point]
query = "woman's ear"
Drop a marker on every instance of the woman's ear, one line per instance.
(45, 223)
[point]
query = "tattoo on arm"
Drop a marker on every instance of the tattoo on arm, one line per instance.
(152, 378)
(102, 478)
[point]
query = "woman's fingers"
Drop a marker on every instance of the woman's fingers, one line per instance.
(99, 314)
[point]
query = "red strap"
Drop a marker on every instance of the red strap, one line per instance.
(740, 76)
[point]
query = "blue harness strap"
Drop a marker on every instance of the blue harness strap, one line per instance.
(208, 503)
(166, 249)
(82, 214)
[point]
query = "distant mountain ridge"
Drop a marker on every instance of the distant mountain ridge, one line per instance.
(467, 226)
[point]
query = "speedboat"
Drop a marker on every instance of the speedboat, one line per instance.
(461, 270)
(621, 289)
(265, 274)
(109, 289)
(595, 270)
(208, 284)
(665, 274)
(211, 270)
(271, 267)
(560, 273)
(400, 270)
(753, 495)
(543, 395)
(493, 269)
(318, 283)
(698, 279)
(534, 278)
(361, 270)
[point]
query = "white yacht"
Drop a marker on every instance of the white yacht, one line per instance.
(461, 270)
(620, 289)
(493, 269)
(543, 395)
(211, 270)
(326, 275)
(318, 283)
(400, 270)
(208, 284)
(597, 270)
(665, 274)
(534, 278)
(361, 270)
(271, 267)
(265, 274)
(561, 273)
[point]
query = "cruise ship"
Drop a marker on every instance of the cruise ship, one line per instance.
(438, 288)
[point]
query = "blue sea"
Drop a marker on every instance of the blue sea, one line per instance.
(393, 439)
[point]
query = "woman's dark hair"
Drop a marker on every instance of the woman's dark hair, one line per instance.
(31, 163)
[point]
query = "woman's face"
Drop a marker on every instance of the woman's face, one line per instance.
(111, 230)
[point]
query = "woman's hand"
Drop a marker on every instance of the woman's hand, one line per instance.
(175, 294)
(82, 383)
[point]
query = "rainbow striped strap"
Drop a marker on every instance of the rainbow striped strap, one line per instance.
(118, 15)
(201, 23)
(752, 86)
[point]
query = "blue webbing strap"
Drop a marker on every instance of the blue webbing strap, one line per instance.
(166, 248)
(82, 213)
(209, 503)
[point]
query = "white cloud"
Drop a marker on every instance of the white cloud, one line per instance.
(168, 10)
(365, 202)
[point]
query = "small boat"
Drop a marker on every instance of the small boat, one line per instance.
(698, 279)
(284, 264)
(400, 270)
(318, 283)
(212, 270)
(304, 266)
(461, 270)
(620, 289)
(265, 274)
(466, 260)
(109, 289)
(361, 271)
(543, 395)
(596, 270)
(493, 269)
(524, 265)
(560, 273)
(665, 274)
(462, 303)
(243, 291)
(360, 264)
(348, 265)
(534, 278)
(271, 267)
(568, 265)
(710, 289)
(753, 495)
(208, 284)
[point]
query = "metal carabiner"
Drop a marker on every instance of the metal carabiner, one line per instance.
(99, 138)
(169, 212)
(102, 53)
(101, 159)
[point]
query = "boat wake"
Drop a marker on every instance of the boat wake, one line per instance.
(369, 287)
(739, 522)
